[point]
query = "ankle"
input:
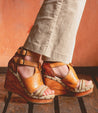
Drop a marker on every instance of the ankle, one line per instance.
(61, 71)
(34, 58)
(28, 71)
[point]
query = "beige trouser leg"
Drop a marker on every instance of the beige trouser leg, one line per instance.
(54, 32)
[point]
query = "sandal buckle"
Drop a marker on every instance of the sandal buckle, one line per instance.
(20, 61)
(22, 51)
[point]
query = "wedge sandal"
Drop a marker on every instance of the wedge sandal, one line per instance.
(32, 88)
(67, 85)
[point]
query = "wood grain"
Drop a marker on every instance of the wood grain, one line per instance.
(69, 105)
(45, 108)
(61, 104)
(91, 101)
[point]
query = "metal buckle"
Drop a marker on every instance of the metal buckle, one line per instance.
(23, 51)
(20, 61)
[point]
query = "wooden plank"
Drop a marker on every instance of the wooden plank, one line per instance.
(91, 101)
(79, 70)
(44, 108)
(69, 105)
(3, 70)
(3, 92)
(17, 104)
(86, 70)
(1, 106)
(17, 108)
(64, 104)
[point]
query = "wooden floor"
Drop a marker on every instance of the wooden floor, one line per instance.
(61, 104)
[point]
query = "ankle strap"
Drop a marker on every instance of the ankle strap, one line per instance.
(21, 61)
(24, 52)
(56, 64)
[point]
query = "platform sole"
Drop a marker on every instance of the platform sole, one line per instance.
(61, 90)
(13, 85)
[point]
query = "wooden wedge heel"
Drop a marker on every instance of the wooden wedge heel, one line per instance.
(68, 84)
(32, 88)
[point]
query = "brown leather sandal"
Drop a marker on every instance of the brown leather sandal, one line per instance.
(65, 86)
(31, 88)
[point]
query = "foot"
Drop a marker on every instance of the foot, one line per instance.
(62, 71)
(27, 71)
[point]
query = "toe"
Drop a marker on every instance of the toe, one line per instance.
(48, 92)
(45, 93)
(89, 83)
(52, 91)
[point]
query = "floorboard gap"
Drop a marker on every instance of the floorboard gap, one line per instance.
(56, 105)
(95, 81)
(30, 107)
(82, 106)
(3, 70)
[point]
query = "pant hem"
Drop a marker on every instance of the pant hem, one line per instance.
(58, 58)
(55, 57)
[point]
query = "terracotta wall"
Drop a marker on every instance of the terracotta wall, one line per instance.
(17, 17)
(86, 50)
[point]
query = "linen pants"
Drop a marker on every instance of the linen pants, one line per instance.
(54, 32)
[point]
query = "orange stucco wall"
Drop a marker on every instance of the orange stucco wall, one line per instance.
(17, 17)
(86, 49)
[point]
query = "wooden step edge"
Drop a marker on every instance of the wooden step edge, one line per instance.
(79, 70)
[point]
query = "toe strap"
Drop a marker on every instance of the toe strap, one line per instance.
(40, 90)
(83, 87)
(39, 93)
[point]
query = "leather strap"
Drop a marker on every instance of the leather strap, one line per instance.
(56, 64)
(34, 82)
(71, 79)
(24, 52)
(21, 61)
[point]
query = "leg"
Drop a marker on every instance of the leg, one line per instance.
(44, 35)
(41, 35)
(25, 72)
(64, 35)
(65, 32)
(47, 15)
